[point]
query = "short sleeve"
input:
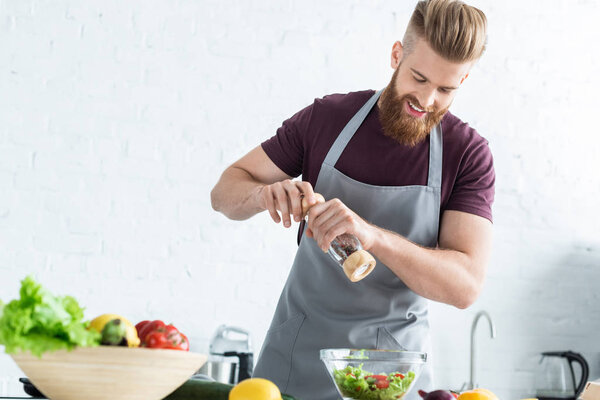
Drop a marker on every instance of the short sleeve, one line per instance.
(473, 190)
(286, 147)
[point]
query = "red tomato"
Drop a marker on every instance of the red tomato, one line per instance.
(177, 340)
(382, 384)
(381, 381)
(169, 329)
(400, 375)
(156, 339)
(140, 325)
(185, 344)
(156, 334)
(149, 326)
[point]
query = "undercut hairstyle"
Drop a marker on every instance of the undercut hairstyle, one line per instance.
(453, 29)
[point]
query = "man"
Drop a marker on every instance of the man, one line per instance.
(411, 181)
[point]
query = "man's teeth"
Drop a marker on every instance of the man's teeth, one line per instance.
(415, 107)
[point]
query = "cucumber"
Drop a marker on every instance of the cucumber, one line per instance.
(196, 389)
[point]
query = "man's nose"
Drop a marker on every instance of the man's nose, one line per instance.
(427, 99)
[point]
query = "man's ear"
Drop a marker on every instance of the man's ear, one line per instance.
(463, 78)
(397, 51)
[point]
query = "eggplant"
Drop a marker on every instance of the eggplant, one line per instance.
(436, 395)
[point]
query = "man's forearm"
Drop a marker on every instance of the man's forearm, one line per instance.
(236, 194)
(447, 276)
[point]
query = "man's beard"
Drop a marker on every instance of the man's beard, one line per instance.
(398, 124)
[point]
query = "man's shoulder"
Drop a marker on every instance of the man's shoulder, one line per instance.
(344, 101)
(460, 134)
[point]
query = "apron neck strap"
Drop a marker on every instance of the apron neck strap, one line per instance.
(434, 176)
(351, 127)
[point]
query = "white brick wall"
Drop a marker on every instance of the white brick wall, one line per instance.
(116, 119)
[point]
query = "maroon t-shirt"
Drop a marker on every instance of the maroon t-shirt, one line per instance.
(302, 142)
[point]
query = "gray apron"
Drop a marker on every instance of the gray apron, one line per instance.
(320, 308)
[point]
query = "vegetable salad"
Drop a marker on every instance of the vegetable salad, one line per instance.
(356, 383)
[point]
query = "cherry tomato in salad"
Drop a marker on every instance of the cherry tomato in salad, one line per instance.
(382, 384)
(381, 381)
(377, 377)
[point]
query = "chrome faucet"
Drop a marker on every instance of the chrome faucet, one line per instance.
(472, 382)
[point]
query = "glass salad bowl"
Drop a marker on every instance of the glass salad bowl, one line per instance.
(373, 374)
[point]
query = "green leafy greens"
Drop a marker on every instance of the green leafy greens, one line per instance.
(356, 383)
(39, 321)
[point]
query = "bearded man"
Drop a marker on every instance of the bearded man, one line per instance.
(410, 180)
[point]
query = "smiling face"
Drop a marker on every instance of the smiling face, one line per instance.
(421, 90)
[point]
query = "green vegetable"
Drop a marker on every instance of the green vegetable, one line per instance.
(39, 321)
(356, 383)
(196, 389)
(114, 333)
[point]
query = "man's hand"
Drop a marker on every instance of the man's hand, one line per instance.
(254, 184)
(328, 220)
(285, 197)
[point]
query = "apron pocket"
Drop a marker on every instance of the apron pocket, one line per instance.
(276, 358)
(387, 341)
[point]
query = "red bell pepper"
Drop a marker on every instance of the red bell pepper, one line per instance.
(157, 335)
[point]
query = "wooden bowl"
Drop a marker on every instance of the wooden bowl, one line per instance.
(109, 372)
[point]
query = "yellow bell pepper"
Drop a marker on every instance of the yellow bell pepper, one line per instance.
(477, 394)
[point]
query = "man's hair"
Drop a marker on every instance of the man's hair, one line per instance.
(453, 29)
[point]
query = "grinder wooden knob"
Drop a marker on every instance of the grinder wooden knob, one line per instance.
(305, 207)
(346, 250)
(358, 265)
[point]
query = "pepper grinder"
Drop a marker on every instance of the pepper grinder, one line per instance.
(346, 250)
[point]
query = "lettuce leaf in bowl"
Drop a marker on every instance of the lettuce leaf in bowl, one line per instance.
(39, 321)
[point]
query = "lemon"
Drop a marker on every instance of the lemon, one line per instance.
(255, 389)
(477, 394)
(473, 395)
(490, 394)
(98, 324)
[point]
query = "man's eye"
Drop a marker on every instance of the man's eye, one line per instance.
(444, 90)
(419, 80)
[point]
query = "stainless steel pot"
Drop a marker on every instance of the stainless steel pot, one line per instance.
(220, 371)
